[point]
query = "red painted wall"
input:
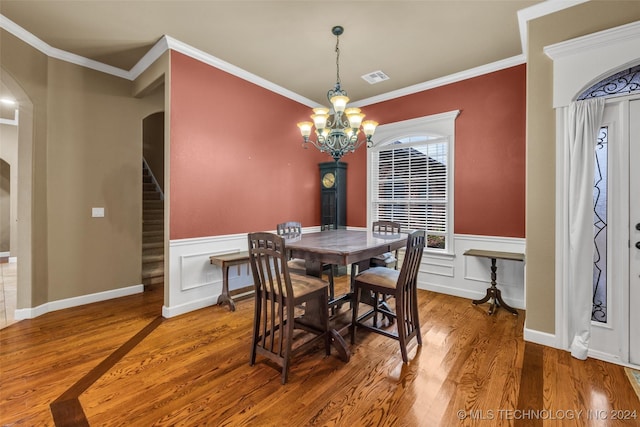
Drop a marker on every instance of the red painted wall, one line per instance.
(237, 164)
(489, 154)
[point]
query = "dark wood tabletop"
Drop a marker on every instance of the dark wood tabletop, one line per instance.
(344, 247)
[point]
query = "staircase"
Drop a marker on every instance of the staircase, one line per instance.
(152, 231)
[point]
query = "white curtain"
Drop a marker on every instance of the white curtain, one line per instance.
(583, 120)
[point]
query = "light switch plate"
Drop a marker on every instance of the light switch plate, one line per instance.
(97, 212)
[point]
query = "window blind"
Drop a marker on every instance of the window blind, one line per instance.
(410, 186)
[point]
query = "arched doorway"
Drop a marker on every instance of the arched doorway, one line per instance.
(22, 246)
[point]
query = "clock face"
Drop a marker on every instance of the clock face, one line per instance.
(328, 180)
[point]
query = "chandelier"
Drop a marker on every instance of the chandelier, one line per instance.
(337, 133)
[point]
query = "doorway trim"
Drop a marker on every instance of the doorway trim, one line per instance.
(25, 198)
(577, 64)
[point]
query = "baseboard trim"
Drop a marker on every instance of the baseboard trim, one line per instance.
(177, 310)
(543, 338)
(30, 313)
(610, 358)
(466, 293)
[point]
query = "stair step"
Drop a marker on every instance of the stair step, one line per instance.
(152, 239)
(150, 195)
(146, 259)
(146, 252)
(152, 281)
(153, 212)
(155, 272)
(153, 245)
(152, 232)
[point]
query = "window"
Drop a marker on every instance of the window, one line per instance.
(600, 203)
(411, 177)
(622, 83)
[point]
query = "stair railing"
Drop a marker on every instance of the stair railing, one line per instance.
(153, 178)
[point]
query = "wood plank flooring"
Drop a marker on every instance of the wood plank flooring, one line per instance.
(120, 363)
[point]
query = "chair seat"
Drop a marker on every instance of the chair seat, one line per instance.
(303, 285)
(379, 276)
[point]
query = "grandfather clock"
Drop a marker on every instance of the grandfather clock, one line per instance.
(333, 194)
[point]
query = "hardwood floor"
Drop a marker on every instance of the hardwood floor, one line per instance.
(120, 363)
(8, 291)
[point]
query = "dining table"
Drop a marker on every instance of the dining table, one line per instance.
(341, 247)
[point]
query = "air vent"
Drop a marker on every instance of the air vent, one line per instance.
(375, 77)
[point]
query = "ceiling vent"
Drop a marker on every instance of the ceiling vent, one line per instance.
(375, 77)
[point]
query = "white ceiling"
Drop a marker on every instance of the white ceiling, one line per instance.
(289, 43)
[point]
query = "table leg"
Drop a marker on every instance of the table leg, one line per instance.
(494, 294)
(312, 313)
(340, 345)
(224, 297)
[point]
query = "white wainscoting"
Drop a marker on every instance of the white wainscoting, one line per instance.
(468, 276)
(194, 283)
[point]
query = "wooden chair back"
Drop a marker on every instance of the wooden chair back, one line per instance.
(289, 229)
(411, 265)
(402, 285)
(386, 227)
(388, 259)
(277, 294)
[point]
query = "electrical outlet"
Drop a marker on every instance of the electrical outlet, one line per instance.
(97, 212)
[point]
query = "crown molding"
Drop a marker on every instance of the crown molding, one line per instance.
(169, 43)
(218, 63)
(536, 11)
(53, 52)
(149, 58)
(589, 42)
(452, 78)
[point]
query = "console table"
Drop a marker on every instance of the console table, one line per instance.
(493, 293)
(225, 261)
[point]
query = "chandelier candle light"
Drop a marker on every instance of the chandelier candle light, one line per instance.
(337, 133)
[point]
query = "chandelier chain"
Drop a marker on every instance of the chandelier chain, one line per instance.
(338, 59)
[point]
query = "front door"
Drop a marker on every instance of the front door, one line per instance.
(616, 298)
(634, 232)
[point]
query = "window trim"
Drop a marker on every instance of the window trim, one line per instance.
(439, 125)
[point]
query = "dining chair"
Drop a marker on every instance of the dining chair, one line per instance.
(399, 284)
(279, 295)
(292, 230)
(387, 259)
